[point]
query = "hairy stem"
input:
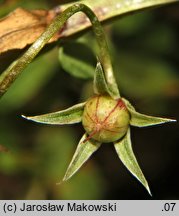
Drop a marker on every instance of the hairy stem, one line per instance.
(9, 76)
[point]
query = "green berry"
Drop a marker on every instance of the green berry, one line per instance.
(105, 119)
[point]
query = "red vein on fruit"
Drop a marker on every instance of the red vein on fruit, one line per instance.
(97, 105)
(88, 115)
(117, 104)
(90, 135)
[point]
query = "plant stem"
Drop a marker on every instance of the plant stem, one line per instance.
(12, 72)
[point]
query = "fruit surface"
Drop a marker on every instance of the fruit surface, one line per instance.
(105, 119)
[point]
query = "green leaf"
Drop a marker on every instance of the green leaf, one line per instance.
(100, 85)
(126, 154)
(68, 116)
(107, 10)
(84, 150)
(141, 120)
(77, 59)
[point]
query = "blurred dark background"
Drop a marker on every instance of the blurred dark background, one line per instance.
(144, 48)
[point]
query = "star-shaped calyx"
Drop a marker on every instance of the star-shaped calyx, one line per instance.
(106, 119)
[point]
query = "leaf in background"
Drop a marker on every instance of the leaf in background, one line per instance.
(87, 185)
(68, 116)
(143, 76)
(35, 76)
(53, 149)
(77, 59)
(132, 25)
(126, 154)
(161, 39)
(35, 21)
(107, 10)
(23, 27)
(83, 152)
(141, 120)
(100, 85)
(36, 190)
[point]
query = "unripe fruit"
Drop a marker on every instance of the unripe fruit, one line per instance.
(105, 119)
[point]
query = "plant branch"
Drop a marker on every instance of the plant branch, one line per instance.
(12, 72)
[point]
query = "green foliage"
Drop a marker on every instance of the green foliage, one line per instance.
(79, 57)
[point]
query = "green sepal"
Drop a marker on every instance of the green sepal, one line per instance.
(99, 83)
(68, 116)
(126, 154)
(84, 150)
(141, 120)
